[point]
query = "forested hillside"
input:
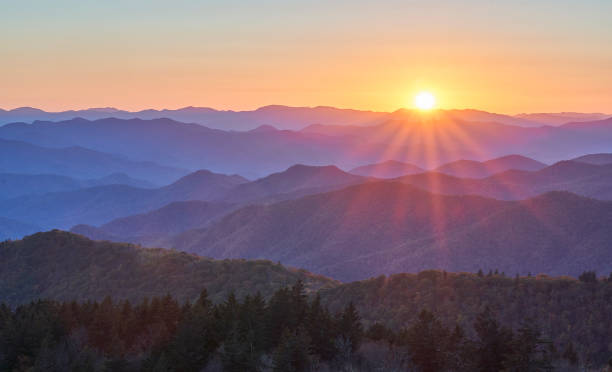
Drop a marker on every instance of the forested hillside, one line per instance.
(64, 266)
(564, 308)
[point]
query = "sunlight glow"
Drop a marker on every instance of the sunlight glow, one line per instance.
(424, 101)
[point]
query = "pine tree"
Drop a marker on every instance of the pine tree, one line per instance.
(493, 342)
(427, 341)
(292, 353)
(350, 327)
(529, 352)
(321, 330)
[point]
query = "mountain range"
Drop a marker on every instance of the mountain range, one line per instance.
(299, 181)
(13, 185)
(560, 118)
(387, 227)
(21, 157)
(283, 117)
(425, 140)
(477, 169)
(387, 169)
(581, 178)
(153, 228)
(458, 168)
(98, 205)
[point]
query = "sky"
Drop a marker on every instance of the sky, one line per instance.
(501, 56)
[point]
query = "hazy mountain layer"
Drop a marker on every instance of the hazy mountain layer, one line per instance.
(387, 169)
(102, 204)
(283, 117)
(580, 178)
(388, 227)
(154, 227)
(596, 159)
(14, 185)
(426, 140)
(24, 158)
(476, 169)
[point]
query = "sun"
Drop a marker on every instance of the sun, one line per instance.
(424, 101)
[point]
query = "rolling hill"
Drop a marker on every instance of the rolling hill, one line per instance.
(155, 227)
(98, 205)
(190, 146)
(424, 140)
(580, 178)
(24, 158)
(14, 185)
(387, 227)
(67, 266)
(151, 228)
(295, 180)
(477, 169)
(387, 169)
(596, 159)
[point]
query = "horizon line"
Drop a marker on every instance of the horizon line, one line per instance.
(298, 107)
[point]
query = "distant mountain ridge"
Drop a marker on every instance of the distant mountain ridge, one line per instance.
(103, 204)
(387, 169)
(295, 178)
(282, 117)
(19, 157)
(423, 140)
(279, 116)
(476, 169)
(152, 228)
(581, 178)
(13, 185)
(459, 168)
(596, 159)
(560, 118)
(386, 227)
(98, 205)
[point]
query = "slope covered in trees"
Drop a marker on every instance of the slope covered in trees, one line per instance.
(568, 310)
(389, 316)
(66, 266)
(288, 332)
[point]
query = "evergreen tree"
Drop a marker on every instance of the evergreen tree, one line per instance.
(529, 352)
(321, 329)
(427, 342)
(349, 326)
(493, 342)
(292, 353)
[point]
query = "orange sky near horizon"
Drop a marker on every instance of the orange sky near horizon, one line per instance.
(511, 58)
